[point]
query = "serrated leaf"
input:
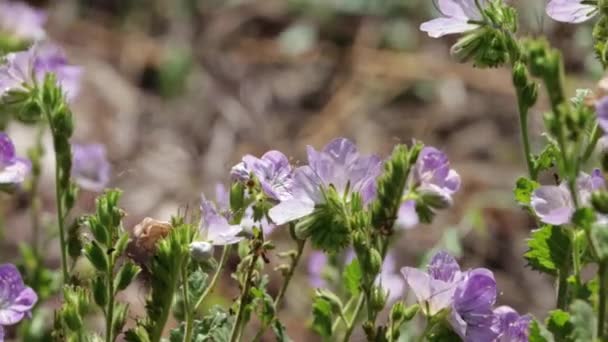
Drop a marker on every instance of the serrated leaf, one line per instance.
(352, 277)
(548, 249)
(215, 326)
(524, 189)
(583, 321)
(558, 323)
(322, 317)
(538, 333)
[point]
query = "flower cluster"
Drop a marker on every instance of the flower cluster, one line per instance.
(467, 298)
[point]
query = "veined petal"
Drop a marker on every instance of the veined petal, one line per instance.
(440, 27)
(570, 11)
(291, 210)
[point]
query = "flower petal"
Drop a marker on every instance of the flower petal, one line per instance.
(570, 11)
(440, 27)
(291, 210)
(407, 216)
(444, 267)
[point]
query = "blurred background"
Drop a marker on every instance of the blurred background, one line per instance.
(179, 90)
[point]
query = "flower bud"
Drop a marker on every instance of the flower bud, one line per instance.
(237, 197)
(599, 200)
(520, 75)
(467, 46)
(435, 199)
(378, 299)
(30, 112)
(599, 236)
(201, 251)
(410, 312)
(304, 227)
(373, 263)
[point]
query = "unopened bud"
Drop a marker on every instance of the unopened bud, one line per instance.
(435, 199)
(378, 299)
(520, 75)
(201, 251)
(599, 200)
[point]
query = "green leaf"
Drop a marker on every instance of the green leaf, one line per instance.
(524, 189)
(352, 277)
(538, 333)
(548, 249)
(214, 327)
(558, 323)
(322, 317)
(583, 321)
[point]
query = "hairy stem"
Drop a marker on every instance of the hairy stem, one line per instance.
(596, 134)
(603, 275)
(525, 138)
(237, 330)
(110, 308)
(187, 311)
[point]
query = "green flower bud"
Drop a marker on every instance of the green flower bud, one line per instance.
(599, 200)
(201, 251)
(468, 46)
(373, 262)
(237, 197)
(96, 256)
(100, 292)
(529, 94)
(520, 75)
(29, 112)
(378, 298)
(435, 199)
(410, 312)
(125, 276)
(599, 235)
(398, 312)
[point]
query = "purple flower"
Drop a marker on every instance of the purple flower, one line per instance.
(13, 169)
(316, 266)
(472, 316)
(16, 299)
(24, 70)
(432, 173)
(510, 325)
(571, 11)
(215, 226)
(339, 165)
(22, 21)
(553, 203)
(90, 167)
(273, 171)
(435, 288)
(456, 17)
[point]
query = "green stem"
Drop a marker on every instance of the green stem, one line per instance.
(34, 199)
(61, 224)
(596, 134)
(603, 275)
(562, 286)
(211, 285)
(58, 199)
(342, 316)
(110, 309)
(525, 138)
(187, 309)
(351, 324)
(235, 335)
